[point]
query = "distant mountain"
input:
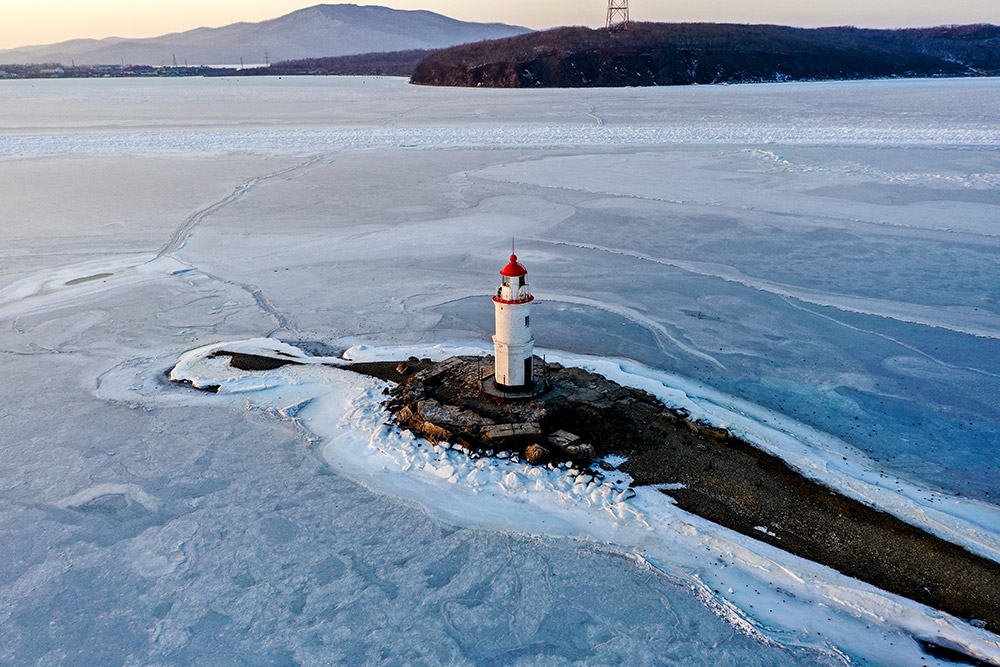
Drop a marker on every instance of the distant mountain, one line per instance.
(315, 32)
(683, 53)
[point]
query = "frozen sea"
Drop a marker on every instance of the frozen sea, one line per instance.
(813, 265)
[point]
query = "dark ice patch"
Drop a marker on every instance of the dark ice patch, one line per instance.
(897, 194)
(441, 572)
(329, 570)
(87, 279)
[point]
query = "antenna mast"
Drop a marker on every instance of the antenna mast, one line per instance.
(618, 15)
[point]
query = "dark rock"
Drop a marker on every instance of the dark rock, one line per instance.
(563, 439)
(253, 362)
(581, 453)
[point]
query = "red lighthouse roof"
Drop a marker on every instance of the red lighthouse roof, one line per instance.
(513, 269)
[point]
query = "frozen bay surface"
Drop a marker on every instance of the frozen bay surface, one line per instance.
(827, 252)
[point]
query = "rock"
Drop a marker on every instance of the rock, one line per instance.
(570, 446)
(712, 431)
(528, 429)
(642, 396)
(436, 370)
(536, 454)
(402, 368)
(563, 439)
(705, 429)
(500, 431)
(433, 432)
(581, 452)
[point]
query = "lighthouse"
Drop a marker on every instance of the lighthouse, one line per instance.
(513, 343)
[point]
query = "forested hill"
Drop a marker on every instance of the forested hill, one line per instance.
(684, 53)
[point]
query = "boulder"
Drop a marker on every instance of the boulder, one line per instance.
(500, 431)
(433, 432)
(536, 454)
(404, 415)
(581, 452)
(563, 439)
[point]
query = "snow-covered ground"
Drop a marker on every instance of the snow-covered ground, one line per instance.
(811, 264)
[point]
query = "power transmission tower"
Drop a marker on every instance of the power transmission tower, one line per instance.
(618, 15)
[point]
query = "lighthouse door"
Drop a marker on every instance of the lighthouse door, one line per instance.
(528, 381)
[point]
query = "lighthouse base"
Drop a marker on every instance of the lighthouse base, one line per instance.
(489, 386)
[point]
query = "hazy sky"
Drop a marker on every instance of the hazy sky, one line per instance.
(24, 22)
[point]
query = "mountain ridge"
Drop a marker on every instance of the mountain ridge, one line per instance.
(312, 32)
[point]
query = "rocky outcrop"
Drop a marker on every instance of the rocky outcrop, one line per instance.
(444, 403)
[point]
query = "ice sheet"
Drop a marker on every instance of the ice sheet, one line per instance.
(819, 259)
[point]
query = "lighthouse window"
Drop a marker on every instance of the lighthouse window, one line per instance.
(527, 320)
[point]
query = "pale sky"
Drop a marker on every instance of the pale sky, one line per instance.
(24, 22)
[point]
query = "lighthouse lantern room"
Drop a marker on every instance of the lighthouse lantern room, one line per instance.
(513, 343)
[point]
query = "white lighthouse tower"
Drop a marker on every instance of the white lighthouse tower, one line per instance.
(513, 343)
